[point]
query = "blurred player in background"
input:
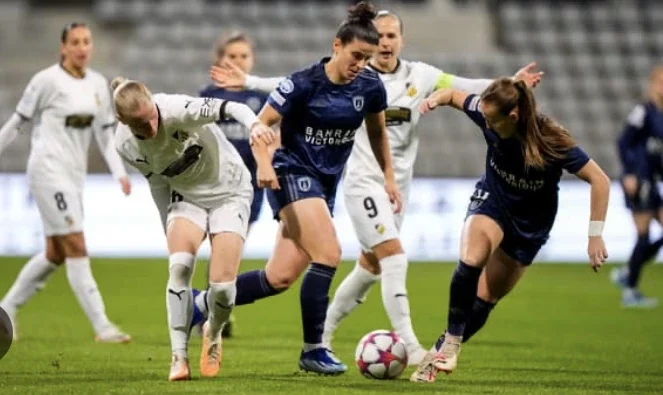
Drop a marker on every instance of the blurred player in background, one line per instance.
(377, 227)
(237, 49)
(67, 104)
(512, 209)
(641, 154)
(201, 188)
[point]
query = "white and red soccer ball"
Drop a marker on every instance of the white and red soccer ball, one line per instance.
(381, 355)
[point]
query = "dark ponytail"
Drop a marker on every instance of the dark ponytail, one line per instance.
(359, 25)
(543, 139)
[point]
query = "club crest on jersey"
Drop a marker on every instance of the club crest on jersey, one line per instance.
(358, 102)
(411, 90)
(181, 135)
(286, 86)
(304, 184)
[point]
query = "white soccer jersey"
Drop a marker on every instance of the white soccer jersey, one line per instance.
(189, 152)
(411, 83)
(66, 111)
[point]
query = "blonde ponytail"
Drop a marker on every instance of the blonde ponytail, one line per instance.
(128, 95)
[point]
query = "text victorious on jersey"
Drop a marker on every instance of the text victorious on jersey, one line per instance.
(329, 136)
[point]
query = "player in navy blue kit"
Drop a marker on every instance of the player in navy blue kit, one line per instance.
(236, 48)
(641, 154)
(513, 208)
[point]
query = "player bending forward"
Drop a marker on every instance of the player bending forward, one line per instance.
(513, 208)
(201, 188)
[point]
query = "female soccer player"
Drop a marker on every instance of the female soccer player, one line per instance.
(67, 103)
(641, 153)
(407, 84)
(513, 208)
(201, 188)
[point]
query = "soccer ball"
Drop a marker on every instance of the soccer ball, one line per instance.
(381, 355)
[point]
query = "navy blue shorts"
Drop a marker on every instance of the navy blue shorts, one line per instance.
(646, 198)
(298, 183)
(244, 149)
(521, 247)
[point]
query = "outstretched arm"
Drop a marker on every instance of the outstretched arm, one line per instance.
(444, 97)
(229, 75)
(10, 130)
(600, 194)
(266, 177)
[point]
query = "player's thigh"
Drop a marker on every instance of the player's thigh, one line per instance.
(369, 262)
(73, 244)
(186, 227)
(481, 236)
(228, 225)
(287, 262)
(60, 208)
(309, 222)
(499, 277)
(54, 250)
(372, 218)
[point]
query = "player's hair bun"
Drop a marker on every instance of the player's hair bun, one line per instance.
(362, 13)
(116, 82)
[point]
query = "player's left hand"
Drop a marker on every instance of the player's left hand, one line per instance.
(597, 252)
(528, 75)
(394, 195)
(125, 182)
(260, 131)
(228, 75)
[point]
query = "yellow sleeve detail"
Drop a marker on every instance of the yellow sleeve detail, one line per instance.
(444, 81)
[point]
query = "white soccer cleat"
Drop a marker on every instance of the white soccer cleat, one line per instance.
(447, 358)
(113, 334)
(426, 372)
(415, 355)
(179, 369)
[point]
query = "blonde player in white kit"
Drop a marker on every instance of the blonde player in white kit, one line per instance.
(201, 188)
(67, 104)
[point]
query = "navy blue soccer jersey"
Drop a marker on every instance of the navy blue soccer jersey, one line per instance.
(528, 195)
(320, 118)
(254, 99)
(641, 143)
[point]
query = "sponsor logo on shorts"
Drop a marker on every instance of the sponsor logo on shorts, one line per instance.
(380, 228)
(304, 184)
(69, 220)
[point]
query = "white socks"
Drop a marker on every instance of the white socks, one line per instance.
(85, 288)
(179, 300)
(394, 298)
(348, 296)
(220, 300)
(31, 279)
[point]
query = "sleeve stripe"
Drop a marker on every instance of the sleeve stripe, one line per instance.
(222, 110)
(444, 81)
(108, 125)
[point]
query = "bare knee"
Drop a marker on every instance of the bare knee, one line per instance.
(282, 279)
(328, 254)
(369, 262)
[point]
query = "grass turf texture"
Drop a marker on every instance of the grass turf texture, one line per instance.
(561, 331)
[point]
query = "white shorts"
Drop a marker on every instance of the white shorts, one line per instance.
(373, 216)
(231, 215)
(60, 208)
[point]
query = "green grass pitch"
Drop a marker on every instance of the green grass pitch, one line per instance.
(561, 331)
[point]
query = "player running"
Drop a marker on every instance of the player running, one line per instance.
(513, 208)
(641, 153)
(377, 226)
(201, 188)
(67, 103)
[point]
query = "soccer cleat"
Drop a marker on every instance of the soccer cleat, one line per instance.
(321, 361)
(619, 276)
(210, 355)
(447, 358)
(632, 298)
(179, 369)
(426, 372)
(415, 355)
(113, 334)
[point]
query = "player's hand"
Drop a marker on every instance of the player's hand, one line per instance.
(597, 252)
(125, 183)
(262, 132)
(630, 183)
(267, 177)
(228, 75)
(435, 99)
(528, 75)
(394, 195)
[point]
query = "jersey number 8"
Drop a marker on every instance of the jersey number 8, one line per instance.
(59, 201)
